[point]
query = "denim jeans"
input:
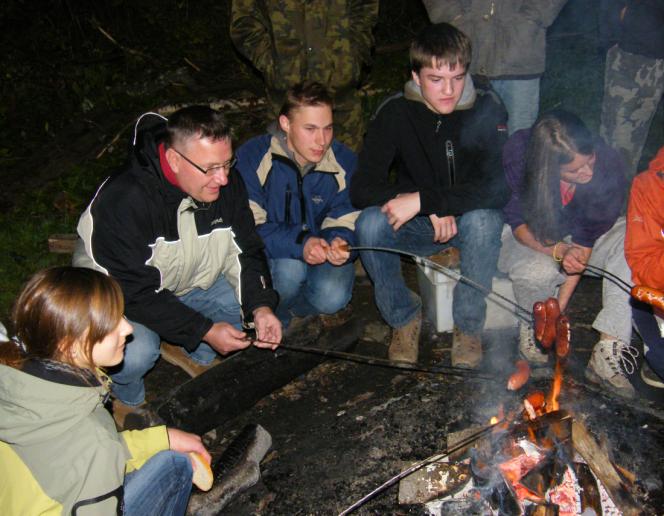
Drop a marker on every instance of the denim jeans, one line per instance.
(310, 289)
(653, 342)
(478, 240)
(161, 487)
(217, 303)
(521, 99)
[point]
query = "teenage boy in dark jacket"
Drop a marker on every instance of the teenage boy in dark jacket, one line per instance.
(174, 228)
(444, 136)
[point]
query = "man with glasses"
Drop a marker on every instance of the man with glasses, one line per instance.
(174, 228)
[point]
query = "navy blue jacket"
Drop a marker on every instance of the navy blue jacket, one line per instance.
(288, 206)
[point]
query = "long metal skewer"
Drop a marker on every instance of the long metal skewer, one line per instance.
(521, 312)
(418, 465)
(381, 362)
(611, 277)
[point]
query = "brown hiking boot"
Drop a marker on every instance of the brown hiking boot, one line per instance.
(449, 257)
(337, 319)
(405, 342)
(466, 349)
(134, 417)
(176, 355)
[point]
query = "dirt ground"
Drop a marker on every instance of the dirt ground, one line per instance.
(344, 428)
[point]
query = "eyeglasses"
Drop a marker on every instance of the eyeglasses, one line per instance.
(226, 167)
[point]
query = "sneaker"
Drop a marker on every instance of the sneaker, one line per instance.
(329, 321)
(134, 417)
(650, 377)
(176, 355)
(611, 362)
(405, 343)
(528, 348)
(466, 349)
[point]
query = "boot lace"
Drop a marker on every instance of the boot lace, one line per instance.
(622, 358)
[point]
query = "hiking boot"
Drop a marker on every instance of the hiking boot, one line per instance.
(134, 417)
(308, 327)
(177, 356)
(405, 343)
(466, 349)
(329, 321)
(528, 348)
(449, 257)
(650, 377)
(612, 360)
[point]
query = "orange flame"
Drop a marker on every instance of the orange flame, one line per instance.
(552, 400)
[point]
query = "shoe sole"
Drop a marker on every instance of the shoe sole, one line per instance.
(651, 382)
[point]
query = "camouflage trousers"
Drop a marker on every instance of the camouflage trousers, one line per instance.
(633, 87)
(349, 124)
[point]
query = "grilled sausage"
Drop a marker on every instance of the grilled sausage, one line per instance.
(519, 378)
(649, 295)
(552, 309)
(539, 314)
(562, 336)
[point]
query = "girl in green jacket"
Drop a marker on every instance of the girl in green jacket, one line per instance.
(60, 452)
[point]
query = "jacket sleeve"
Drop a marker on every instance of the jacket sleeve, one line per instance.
(255, 279)
(542, 12)
(121, 238)
(443, 11)
(250, 32)
(485, 186)
(143, 444)
(363, 18)
(513, 165)
(371, 184)
(644, 240)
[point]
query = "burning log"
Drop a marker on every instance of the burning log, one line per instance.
(590, 498)
(437, 480)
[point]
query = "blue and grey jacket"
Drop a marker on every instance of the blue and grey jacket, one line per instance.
(290, 203)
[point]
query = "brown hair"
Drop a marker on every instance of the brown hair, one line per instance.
(308, 93)
(439, 44)
(196, 122)
(58, 307)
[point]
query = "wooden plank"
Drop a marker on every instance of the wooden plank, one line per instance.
(601, 465)
(235, 385)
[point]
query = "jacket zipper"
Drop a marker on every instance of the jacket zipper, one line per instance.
(287, 207)
(449, 154)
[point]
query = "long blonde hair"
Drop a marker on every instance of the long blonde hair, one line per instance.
(59, 307)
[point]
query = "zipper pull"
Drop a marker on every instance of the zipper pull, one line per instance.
(437, 126)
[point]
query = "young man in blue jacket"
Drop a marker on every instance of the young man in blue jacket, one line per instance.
(443, 139)
(297, 178)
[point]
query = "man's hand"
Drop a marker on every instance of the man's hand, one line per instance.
(336, 254)
(401, 209)
(184, 442)
(444, 228)
(315, 251)
(224, 338)
(268, 328)
(575, 259)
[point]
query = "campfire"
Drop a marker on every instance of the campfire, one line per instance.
(538, 459)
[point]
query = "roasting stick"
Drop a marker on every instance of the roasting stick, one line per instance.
(520, 312)
(418, 465)
(382, 362)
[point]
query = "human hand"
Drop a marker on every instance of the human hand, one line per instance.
(575, 259)
(444, 228)
(268, 328)
(185, 442)
(315, 251)
(401, 209)
(338, 252)
(224, 338)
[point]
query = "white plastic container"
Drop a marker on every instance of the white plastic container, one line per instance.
(436, 290)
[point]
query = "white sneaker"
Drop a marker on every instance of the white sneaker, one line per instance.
(612, 360)
(528, 347)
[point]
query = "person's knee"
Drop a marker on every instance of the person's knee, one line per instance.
(370, 226)
(288, 276)
(141, 353)
(332, 294)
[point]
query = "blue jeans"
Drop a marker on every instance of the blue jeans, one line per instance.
(646, 324)
(478, 241)
(521, 99)
(217, 303)
(310, 289)
(161, 487)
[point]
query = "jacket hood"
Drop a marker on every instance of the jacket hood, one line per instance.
(33, 409)
(413, 92)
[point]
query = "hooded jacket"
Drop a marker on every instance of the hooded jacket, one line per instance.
(453, 160)
(290, 203)
(59, 450)
(159, 243)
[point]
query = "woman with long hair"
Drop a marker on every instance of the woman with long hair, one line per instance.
(59, 449)
(567, 192)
